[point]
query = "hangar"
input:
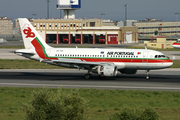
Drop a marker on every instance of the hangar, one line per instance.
(82, 31)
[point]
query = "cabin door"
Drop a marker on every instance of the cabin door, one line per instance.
(145, 56)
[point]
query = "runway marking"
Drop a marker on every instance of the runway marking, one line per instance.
(90, 86)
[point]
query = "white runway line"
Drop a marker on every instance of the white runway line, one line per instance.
(91, 86)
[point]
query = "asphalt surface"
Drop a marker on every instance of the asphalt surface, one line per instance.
(160, 80)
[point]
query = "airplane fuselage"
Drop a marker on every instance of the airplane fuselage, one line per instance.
(140, 59)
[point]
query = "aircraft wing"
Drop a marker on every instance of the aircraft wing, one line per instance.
(76, 61)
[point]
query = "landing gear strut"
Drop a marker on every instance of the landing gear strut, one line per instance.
(147, 73)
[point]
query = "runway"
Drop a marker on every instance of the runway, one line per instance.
(160, 80)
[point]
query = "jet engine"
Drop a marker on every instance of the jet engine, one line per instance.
(108, 70)
(128, 71)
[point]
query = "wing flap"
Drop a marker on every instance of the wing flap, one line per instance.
(75, 61)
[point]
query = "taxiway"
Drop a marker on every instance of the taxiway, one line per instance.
(160, 80)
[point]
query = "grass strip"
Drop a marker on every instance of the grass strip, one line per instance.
(31, 64)
(11, 47)
(102, 103)
(25, 64)
(130, 47)
(157, 49)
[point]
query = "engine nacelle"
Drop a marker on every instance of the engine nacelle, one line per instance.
(107, 70)
(128, 71)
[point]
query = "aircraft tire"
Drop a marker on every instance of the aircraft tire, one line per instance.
(88, 76)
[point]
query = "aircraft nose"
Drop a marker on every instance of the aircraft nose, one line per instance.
(176, 45)
(173, 44)
(169, 64)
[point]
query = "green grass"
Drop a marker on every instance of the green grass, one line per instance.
(140, 47)
(31, 64)
(25, 64)
(102, 103)
(176, 64)
(11, 47)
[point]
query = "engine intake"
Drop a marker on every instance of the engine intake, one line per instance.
(108, 70)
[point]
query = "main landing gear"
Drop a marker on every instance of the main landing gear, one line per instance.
(147, 73)
(88, 76)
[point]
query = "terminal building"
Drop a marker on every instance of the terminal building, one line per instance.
(6, 26)
(147, 27)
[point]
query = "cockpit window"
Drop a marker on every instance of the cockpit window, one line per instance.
(160, 56)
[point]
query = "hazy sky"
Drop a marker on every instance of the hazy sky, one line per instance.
(113, 9)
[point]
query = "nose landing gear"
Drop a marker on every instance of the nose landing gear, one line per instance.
(147, 74)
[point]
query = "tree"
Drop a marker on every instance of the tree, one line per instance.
(50, 105)
(136, 114)
(156, 32)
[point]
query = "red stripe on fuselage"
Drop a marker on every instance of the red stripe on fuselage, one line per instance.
(126, 60)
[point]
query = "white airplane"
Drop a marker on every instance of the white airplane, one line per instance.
(104, 62)
(176, 44)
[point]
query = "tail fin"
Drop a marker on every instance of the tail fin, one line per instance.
(31, 37)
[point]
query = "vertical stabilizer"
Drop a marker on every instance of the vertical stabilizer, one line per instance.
(29, 35)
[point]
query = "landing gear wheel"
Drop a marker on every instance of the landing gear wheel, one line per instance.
(147, 73)
(88, 76)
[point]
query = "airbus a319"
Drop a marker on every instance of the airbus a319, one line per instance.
(104, 62)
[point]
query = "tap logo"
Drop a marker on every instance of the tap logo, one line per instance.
(28, 32)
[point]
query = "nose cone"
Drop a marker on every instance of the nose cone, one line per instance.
(167, 64)
(170, 63)
(176, 45)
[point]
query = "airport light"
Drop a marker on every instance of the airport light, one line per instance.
(48, 1)
(102, 15)
(125, 13)
(177, 22)
(60, 13)
(33, 15)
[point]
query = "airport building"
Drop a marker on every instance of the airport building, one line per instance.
(147, 27)
(84, 31)
(6, 26)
